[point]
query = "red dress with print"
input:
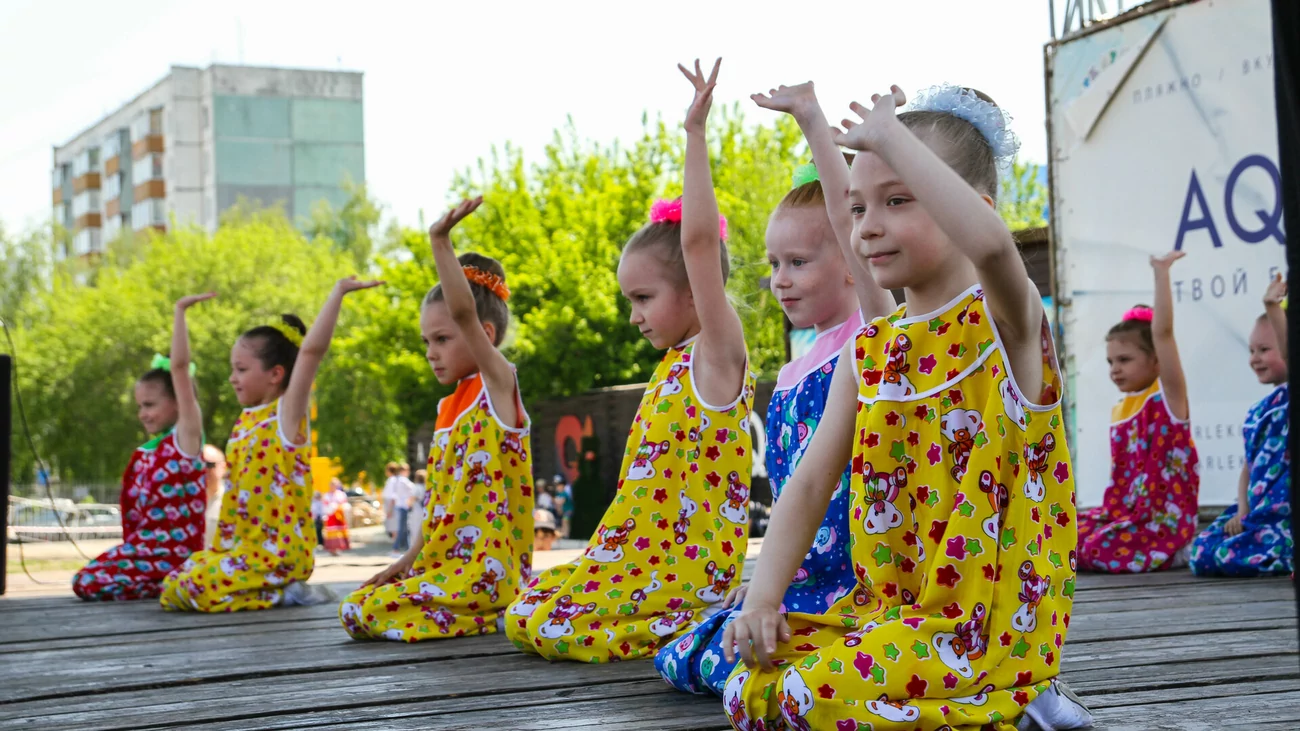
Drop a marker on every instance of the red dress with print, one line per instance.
(163, 504)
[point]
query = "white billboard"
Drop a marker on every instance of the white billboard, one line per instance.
(1164, 136)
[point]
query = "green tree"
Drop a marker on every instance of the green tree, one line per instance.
(351, 227)
(80, 361)
(1023, 200)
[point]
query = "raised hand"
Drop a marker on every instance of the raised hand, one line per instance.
(866, 134)
(797, 100)
(352, 284)
(189, 300)
(441, 229)
(1162, 263)
(1276, 291)
(698, 113)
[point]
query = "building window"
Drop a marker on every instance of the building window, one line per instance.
(112, 146)
(146, 123)
(149, 167)
(86, 162)
(149, 212)
(85, 202)
(61, 216)
(112, 227)
(86, 241)
(113, 186)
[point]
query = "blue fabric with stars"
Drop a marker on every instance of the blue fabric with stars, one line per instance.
(695, 662)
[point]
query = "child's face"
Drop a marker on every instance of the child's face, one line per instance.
(1265, 359)
(892, 232)
(1132, 369)
(543, 539)
(809, 275)
(662, 309)
(254, 384)
(445, 346)
(154, 407)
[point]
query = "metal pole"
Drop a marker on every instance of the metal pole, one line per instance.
(6, 424)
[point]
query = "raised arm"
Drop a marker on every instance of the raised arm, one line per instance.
(1172, 379)
(968, 218)
(498, 375)
(189, 419)
(315, 344)
(795, 519)
(723, 359)
(1273, 298)
(800, 102)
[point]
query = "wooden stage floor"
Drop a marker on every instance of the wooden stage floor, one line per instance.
(1167, 651)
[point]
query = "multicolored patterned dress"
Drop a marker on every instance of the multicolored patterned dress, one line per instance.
(962, 539)
(695, 663)
(670, 546)
(265, 537)
(477, 539)
(1148, 513)
(1264, 545)
(163, 503)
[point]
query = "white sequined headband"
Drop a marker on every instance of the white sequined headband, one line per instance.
(992, 121)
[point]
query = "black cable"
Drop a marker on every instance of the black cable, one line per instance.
(27, 432)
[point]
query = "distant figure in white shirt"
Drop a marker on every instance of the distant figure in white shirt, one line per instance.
(387, 497)
(403, 498)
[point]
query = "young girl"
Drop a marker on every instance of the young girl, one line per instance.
(265, 538)
(474, 553)
(1148, 514)
(815, 285)
(673, 542)
(164, 497)
(961, 500)
(1253, 537)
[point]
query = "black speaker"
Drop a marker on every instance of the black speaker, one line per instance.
(6, 429)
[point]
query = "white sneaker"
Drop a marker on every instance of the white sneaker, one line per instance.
(302, 594)
(1182, 558)
(1056, 709)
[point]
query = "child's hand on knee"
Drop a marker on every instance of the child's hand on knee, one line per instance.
(754, 635)
(735, 597)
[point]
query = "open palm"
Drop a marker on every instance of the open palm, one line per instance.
(862, 135)
(443, 226)
(789, 99)
(698, 113)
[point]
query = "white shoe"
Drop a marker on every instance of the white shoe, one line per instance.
(1182, 558)
(1056, 709)
(302, 594)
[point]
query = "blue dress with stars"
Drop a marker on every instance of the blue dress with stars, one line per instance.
(695, 662)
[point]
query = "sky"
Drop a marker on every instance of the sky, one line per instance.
(444, 83)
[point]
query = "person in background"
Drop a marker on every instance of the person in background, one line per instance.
(214, 461)
(419, 504)
(318, 517)
(564, 510)
(545, 498)
(403, 493)
(544, 533)
(387, 499)
(337, 512)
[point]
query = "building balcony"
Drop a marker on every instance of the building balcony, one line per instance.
(112, 165)
(113, 207)
(58, 196)
(146, 145)
(88, 220)
(150, 189)
(89, 181)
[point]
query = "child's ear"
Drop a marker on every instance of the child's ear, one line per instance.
(491, 331)
(989, 200)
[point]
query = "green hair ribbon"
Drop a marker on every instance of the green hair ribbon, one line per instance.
(162, 362)
(803, 175)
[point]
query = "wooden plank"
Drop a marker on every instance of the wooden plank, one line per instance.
(65, 673)
(1175, 649)
(1178, 595)
(1205, 714)
(1094, 682)
(1189, 620)
(265, 699)
(1245, 691)
(637, 706)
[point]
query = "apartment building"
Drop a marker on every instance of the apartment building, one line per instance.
(190, 146)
